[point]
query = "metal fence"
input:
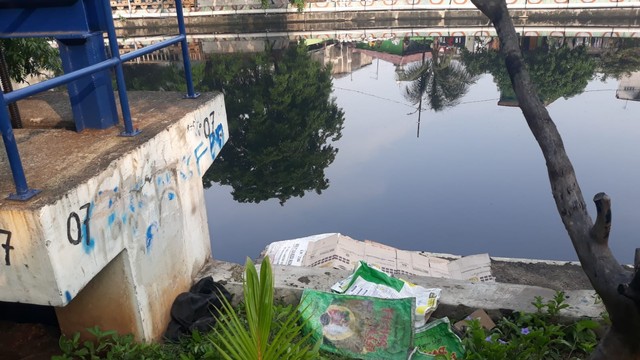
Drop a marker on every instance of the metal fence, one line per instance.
(23, 192)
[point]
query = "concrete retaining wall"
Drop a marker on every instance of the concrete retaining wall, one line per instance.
(121, 223)
(458, 298)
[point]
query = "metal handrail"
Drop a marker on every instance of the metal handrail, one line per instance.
(22, 189)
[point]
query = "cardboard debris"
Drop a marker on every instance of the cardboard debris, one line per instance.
(479, 314)
(334, 250)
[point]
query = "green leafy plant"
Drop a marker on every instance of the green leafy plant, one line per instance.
(254, 339)
(533, 336)
(108, 345)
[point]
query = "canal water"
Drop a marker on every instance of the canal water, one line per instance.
(458, 172)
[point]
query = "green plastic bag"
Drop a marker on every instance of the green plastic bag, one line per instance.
(369, 281)
(437, 338)
(360, 327)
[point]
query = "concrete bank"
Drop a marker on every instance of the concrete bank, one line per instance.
(458, 299)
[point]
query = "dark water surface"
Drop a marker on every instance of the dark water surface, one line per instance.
(474, 181)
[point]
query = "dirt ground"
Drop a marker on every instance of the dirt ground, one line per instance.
(556, 277)
(28, 341)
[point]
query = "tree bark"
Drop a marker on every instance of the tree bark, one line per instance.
(5, 86)
(618, 287)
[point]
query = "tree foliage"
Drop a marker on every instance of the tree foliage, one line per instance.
(619, 62)
(281, 116)
(26, 57)
(281, 122)
(556, 71)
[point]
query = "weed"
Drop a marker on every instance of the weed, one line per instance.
(535, 336)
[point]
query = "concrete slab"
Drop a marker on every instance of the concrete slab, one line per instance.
(56, 160)
(120, 228)
(458, 298)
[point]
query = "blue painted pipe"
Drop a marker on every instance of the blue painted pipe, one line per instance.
(191, 94)
(11, 147)
(122, 87)
(57, 81)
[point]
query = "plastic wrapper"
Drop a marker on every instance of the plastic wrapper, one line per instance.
(369, 281)
(360, 327)
(437, 338)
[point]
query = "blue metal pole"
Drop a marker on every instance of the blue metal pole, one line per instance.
(22, 190)
(122, 88)
(191, 94)
(20, 94)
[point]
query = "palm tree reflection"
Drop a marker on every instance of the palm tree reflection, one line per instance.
(438, 80)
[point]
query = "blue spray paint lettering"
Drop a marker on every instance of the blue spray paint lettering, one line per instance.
(89, 242)
(111, 219)
(67, 296)
(216, 140)
(150, 235)
(171, 195)
(199, 155)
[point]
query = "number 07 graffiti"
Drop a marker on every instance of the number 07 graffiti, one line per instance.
(74, 221)
(7, 246)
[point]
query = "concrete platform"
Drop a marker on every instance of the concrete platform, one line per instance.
(56, 160)
(120, 227)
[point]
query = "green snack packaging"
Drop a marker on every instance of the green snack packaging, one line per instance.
(369, 281)
(436, 338)
(360, 327)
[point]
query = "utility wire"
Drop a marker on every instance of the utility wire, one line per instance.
(403, 103)
(461, 103)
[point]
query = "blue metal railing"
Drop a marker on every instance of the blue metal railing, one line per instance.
(22, 189)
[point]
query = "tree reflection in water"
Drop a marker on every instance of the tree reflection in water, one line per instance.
(281, 116)
(438, 80)
(282, 121)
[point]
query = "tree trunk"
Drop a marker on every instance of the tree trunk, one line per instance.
(618, 287)
(5, 86)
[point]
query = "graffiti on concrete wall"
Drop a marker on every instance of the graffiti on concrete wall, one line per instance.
(6, 246)
(136, 207)
(214, 139)
(139, 204)
(77, 229)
